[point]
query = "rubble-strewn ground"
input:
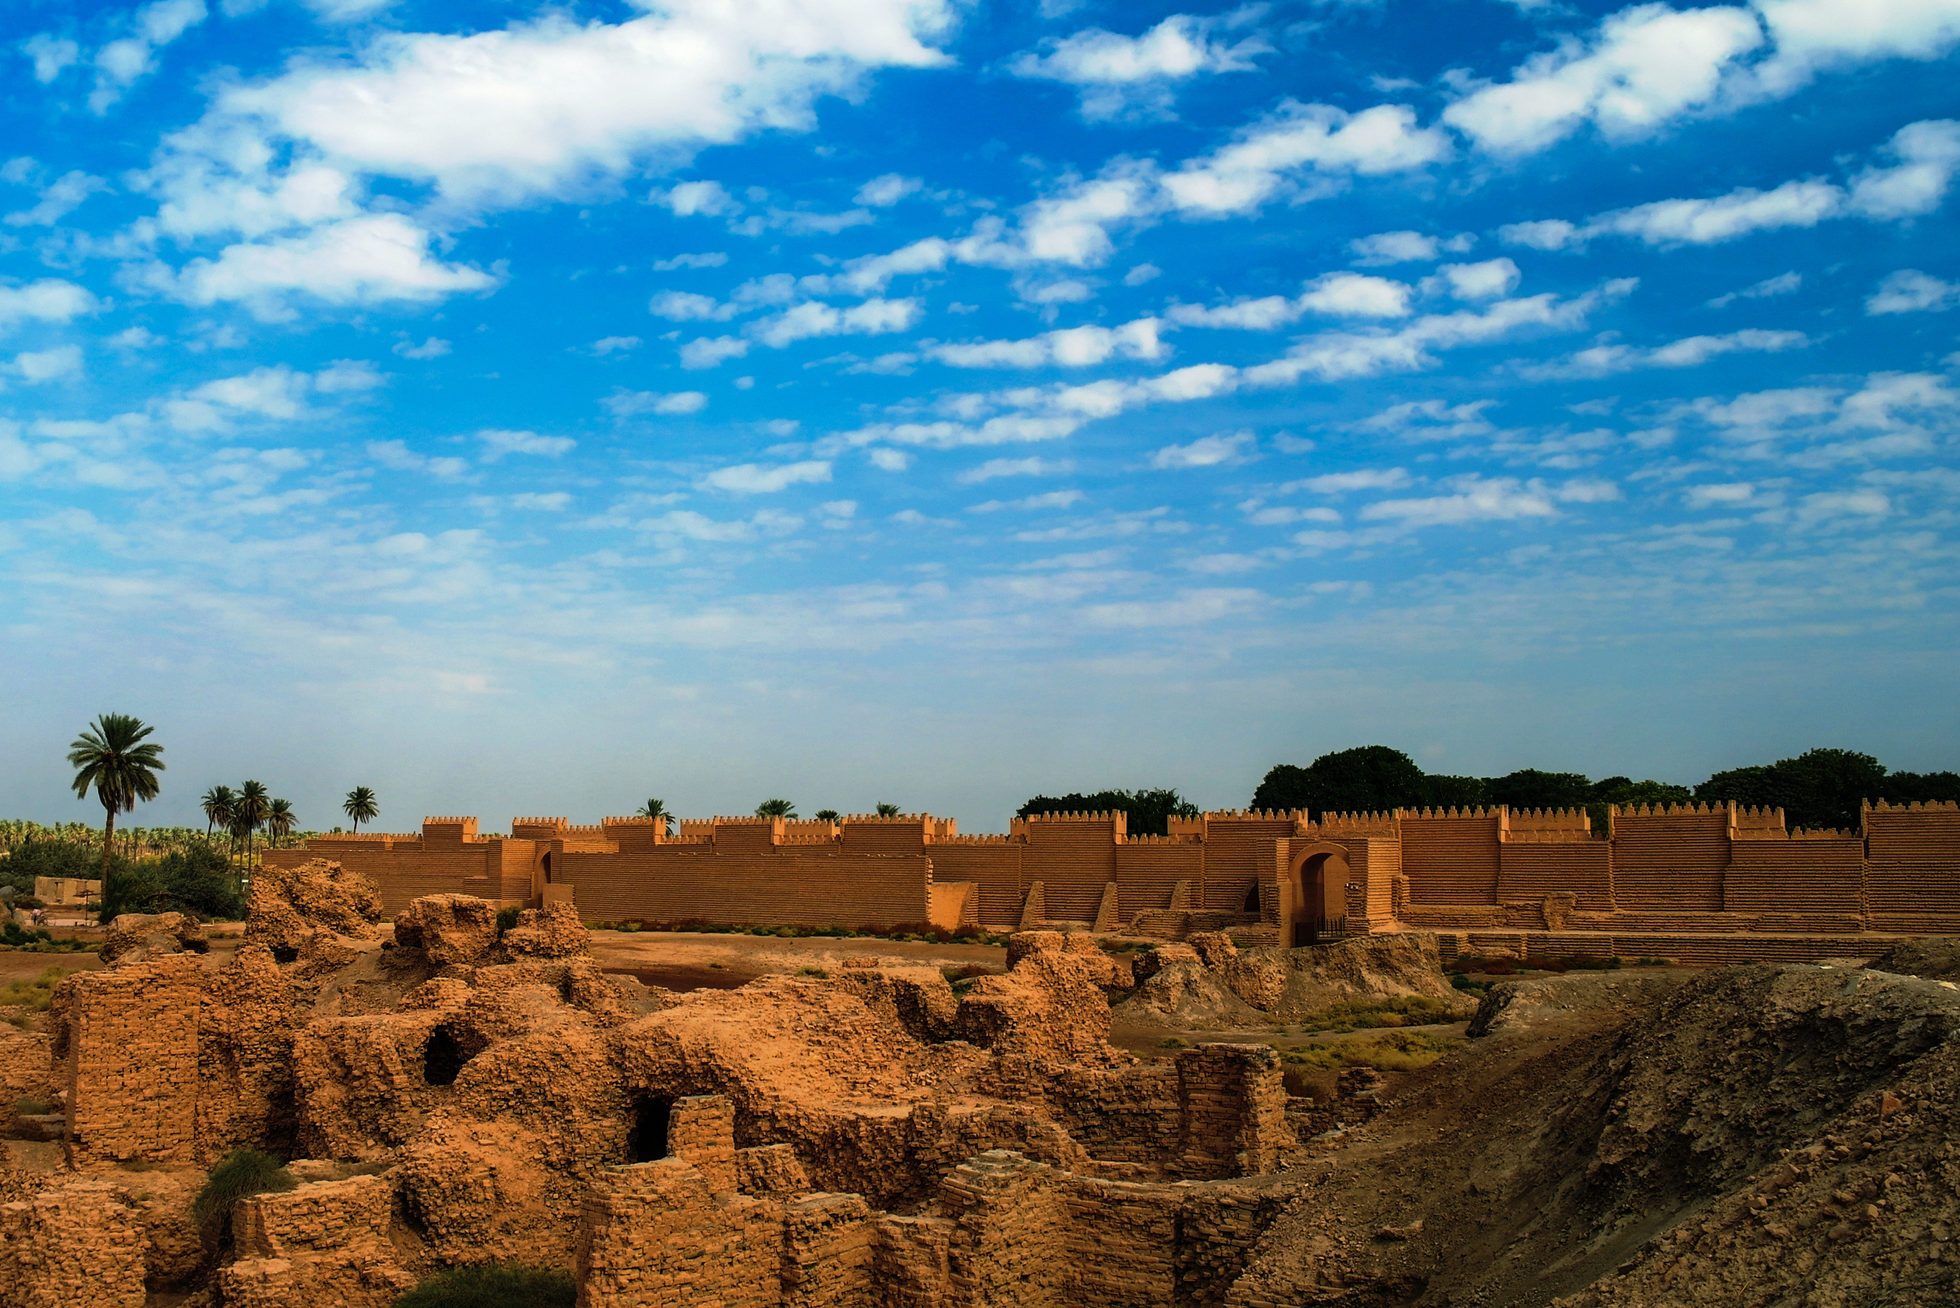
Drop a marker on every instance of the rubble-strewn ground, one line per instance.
(1643, 1138)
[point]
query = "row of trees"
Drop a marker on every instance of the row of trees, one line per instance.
(1148, 812)
(1820, 788)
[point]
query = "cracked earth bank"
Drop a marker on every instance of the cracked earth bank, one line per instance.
(867, 1132)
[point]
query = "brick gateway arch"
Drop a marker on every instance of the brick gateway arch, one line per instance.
(1313, 893)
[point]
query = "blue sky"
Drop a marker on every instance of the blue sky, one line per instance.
(526, 408)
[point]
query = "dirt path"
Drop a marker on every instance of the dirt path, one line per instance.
(686, 960)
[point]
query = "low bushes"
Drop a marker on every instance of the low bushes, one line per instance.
(1399, 1010)
(1390, 1051)
(239, 1173)
(494, 1285)
(30, 996)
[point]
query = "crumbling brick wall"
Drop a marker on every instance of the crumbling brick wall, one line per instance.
(130, 1049)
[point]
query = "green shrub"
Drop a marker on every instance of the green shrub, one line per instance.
(35, 995)
(1398, 1010)
(198, 880)
(812, 971)
(34, 1106)
(506, 919)
(42, 857)
(239, 1173)
(494, 1285)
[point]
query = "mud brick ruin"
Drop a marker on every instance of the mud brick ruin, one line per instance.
(1706, 884)
(459, 1092)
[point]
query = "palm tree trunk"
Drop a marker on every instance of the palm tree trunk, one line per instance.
(108, 849)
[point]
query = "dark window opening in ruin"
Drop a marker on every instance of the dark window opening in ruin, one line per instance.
(284, 954)
(1252, 899)
(646, 1141)
(442, 1057)
(547, 866)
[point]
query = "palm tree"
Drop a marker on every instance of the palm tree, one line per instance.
(112, 758)
(657, 810)
(249, 812)
(887, 810)
(279, 820)
(827, 815)
(360, 806)
(217, 804)
(781, 808)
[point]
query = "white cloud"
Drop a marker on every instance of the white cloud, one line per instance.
(1259, 315)
(1356, 295)
(633, 404)
(347, 11)
(122, 62)
(1118, 73)
(812, 318)
(1729, 494)
(48, 300)
(1073, 226)
(889, 460)
(606, 345)
(1928, 154)
(380, 257)
(1474, 499)
(1726, 217)
(686, 306)
(711, 259)
(1242, 176)
(1345, 483)
(1768, 288)
(1072, 347)
(433, 348)
(1481, 281)
(1206, 452)
(397, 456)
(994, 469)
(541, 501)
(36, 366)
(1542, 234)
(767, 479)
(1646, 65)
(1826, 505)
(711, 351)
(530, 109)
(52, 55)
(1688, 352)
(498, 443)
(1810, 34)
(883, 192)
(1061, 499)
(1912, 291)
(686, 524)
(60, 198)
(1404, 247)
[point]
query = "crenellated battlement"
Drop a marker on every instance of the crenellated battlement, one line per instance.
(1913, 806)
(1690, 809)
(1480, 812)
(1112, 816)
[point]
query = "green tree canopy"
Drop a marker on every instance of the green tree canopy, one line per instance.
(1818, 788)
(1148, 812)
(781, 808)
(360, 806)
(115, 759)
(1364, 780)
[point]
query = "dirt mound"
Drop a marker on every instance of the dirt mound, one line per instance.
(137, 936)
(1266, 985)
(318, 911)
(1762, 1135)
(1937, 959)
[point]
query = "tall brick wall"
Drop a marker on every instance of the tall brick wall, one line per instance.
(1531, 867)
(686, 882)
(130, 1042)
(1913, 868)
(1670, 859)
(991, 863)
(1148, 869)
(1239, 854)
(1451, 855)
(1672, 869)
(1808, 877)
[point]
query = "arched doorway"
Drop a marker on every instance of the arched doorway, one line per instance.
(1318, 879)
